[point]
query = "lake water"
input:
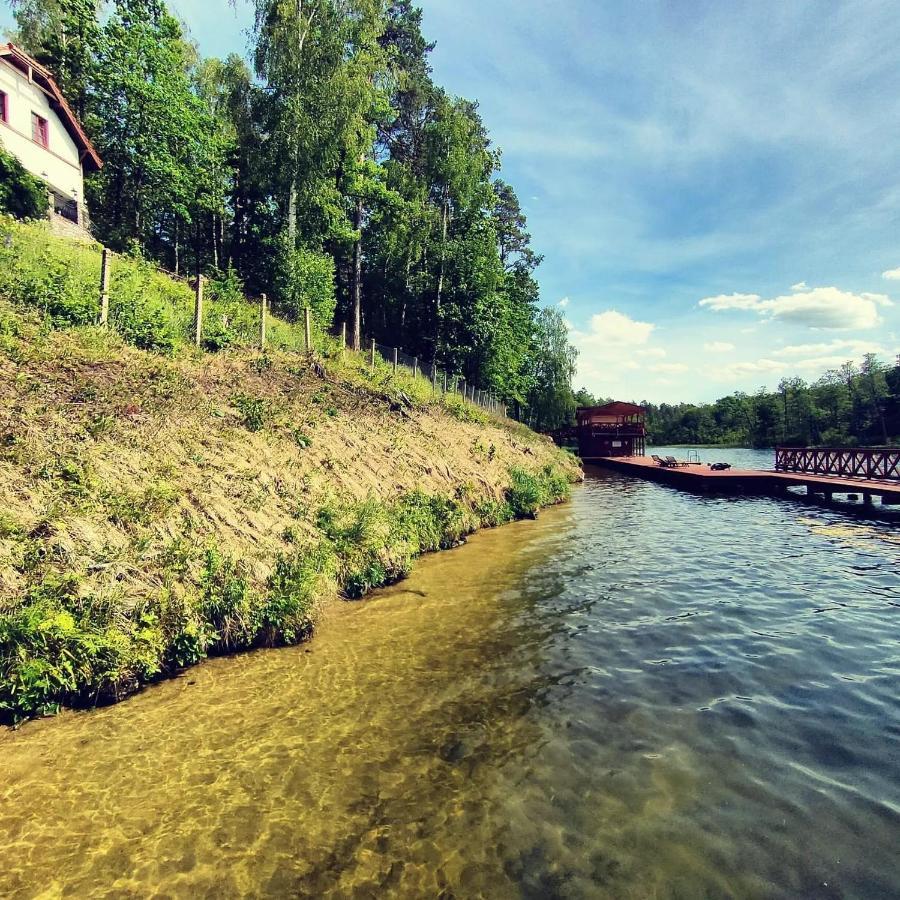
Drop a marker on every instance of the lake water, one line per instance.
(644, 694)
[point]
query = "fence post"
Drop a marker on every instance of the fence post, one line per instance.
(198, 311)
(263, 304)
(373, 355)
(445, 382)
(343, 337)
(395, 360)
(307, 328)
(462, 388)
(104, 288)
(433, 378)
(415, 366)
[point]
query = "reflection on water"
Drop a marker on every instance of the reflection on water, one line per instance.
(643, 694)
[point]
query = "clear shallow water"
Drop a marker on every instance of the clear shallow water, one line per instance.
(644, 694)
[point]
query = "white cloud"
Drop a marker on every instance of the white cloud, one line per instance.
(827, 307)
(718, 347)
(669, 368)
(853, 348)
(736, 371)
(891, 275)
(732, 301)
(824, 307)
(564, 302)
(612, 345)
(617, 329)
(799, 286)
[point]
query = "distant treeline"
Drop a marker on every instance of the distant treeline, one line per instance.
(850, 406)
(330, 171)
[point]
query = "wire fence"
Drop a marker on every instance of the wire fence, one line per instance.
(442, 381)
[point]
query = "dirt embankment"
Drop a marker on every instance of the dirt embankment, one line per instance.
(155, 510)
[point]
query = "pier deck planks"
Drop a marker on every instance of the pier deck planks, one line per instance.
(700, 477)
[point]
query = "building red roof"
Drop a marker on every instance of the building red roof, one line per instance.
(17, 57)
(616, 408)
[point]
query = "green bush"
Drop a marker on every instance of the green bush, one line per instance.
(304, 278)
(529, 491)
(150, 309)
(228, 319)
(21, 194)
(252, 411)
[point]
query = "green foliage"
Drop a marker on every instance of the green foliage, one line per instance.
(252, 411)
(228, 319)
(21, 194)
(148, 308)
(286, 614)
(848, 406)
(61, 646)
(529, 491)
(338, 175)
(304, 278)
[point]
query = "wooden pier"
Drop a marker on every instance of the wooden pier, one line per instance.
(699, 477)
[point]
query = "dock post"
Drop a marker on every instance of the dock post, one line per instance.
(104, 288)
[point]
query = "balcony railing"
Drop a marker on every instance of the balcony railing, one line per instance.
(847, 462)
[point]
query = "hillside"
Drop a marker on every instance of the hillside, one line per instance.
(158, 508)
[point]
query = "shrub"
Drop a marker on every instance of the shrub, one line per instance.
(21, 194)
(252, 411)
(229, 320)
(286, 613)
(529, 491)
(304, 278)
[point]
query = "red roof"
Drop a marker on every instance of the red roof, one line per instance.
(90, 159)
(616, 408)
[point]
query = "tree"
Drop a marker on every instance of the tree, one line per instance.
(552, 362)
(163, 153)
(63, 36)
(873, 372)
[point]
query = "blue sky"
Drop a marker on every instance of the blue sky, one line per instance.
(715, 186)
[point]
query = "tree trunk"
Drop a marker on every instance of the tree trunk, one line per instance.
(215, 243)
(292, 215)
(445, 214)
(357, 278)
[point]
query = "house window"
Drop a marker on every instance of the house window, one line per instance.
(4, 108)
(40, 130)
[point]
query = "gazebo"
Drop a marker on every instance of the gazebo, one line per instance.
(614, 429)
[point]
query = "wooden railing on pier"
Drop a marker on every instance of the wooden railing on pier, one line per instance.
(873, 464)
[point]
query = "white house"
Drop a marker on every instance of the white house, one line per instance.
(41, 131)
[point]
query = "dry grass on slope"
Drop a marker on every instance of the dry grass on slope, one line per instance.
(154, 510)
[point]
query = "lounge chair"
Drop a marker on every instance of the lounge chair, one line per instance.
(657, 460)
(674, 463)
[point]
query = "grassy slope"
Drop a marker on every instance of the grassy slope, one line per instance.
(157, 509)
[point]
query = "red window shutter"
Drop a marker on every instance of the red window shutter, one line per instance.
(40, 130)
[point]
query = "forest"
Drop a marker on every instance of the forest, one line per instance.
(853, 405)
(326, 169)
